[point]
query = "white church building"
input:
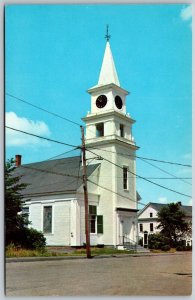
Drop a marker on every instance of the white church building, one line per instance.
(54, 198)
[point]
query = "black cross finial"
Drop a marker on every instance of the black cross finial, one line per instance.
(107, 36)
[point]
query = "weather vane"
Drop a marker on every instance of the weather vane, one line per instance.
(107, 36)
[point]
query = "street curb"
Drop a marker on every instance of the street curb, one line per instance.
(53, 258)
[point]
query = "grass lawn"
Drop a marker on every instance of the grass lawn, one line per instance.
(19, 252)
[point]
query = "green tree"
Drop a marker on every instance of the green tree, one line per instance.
(15, 221)
(172, 223)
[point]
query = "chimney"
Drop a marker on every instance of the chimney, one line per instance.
(18, 160)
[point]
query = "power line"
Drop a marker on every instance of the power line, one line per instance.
(50, 184)
(165, 162)
(141, 177)
(41, 137)
(77, 178)
(76, 123)
(50, 172)
(43, 109)
(120, 154)
(61, 154)
(146, 158)
(107, 189)
(173, 176)
(157, 178)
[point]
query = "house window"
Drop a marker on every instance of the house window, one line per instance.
(99, 129)
(47, 219)
(151, 227)
(125, 181)
(141, 227)
(151, 215)
(121, 130)
(95, 221)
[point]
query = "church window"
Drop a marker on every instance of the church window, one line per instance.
(25, 214)
(99, 224)
(151, 215)
(141, 227)
(121, 130)
(47, 219)
(95, 221)
(125, 179)
(92, 218)
(99, 129)
(151, 227)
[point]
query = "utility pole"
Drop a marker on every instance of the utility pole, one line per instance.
(88, 251)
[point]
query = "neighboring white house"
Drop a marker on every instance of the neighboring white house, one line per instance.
(147, 220)
(54, 198)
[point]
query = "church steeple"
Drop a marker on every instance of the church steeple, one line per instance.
(107, 121)
(108, 73)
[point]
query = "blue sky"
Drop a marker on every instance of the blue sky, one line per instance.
(53, 54)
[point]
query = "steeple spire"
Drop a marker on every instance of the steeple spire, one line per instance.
(108, 73)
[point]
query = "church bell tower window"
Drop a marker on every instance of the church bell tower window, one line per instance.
(99, 129)
(125, 179)
(121, 130)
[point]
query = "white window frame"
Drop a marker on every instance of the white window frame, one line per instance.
(96, 222)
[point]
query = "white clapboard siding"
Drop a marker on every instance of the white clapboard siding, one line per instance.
(60, 225)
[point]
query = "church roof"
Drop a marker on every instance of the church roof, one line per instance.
(53, 176)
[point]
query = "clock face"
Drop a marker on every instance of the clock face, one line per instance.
(101, 101)
(118, 102)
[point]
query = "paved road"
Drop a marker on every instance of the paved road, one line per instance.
(142, 275)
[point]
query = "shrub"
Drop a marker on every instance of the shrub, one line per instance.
(100, 245)
(157, 241)
(29, 238)
(165, 248)
(188, 248)
(180, 248)
(34, 239)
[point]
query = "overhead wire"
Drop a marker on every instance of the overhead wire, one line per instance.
(157, 178)
(42, 109)
(49, 172)
(77, 178)
(41, 137)
(141, 157)
(75, 123)
(121, 154)
(64, 153)
(116, 193)
(141, 177)
(162, 170)
(78, 124)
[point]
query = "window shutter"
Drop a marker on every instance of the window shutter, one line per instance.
(99, 224)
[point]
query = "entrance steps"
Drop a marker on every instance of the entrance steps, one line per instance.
(136, 248)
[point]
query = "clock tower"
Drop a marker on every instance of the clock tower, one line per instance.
(109, 137)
